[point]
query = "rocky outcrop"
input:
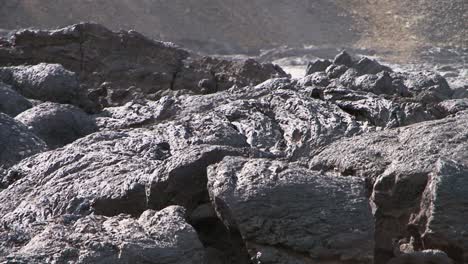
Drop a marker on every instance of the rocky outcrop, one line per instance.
(17, 141)
(57, 124)
(11, 102)
(269, 202)
(408, 170)
(162, 236)
(114, 67)
(214, 161)
(45, 82)
(374, 93)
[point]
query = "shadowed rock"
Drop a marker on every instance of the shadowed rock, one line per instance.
(57, 124)
(400, 162)
(17, 142)
(288, 214)
(12, 103)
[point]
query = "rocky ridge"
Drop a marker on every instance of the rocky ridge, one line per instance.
(127, 150)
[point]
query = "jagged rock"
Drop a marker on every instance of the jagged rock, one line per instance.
(285, 213)
(57, 124)
(379, 111)
(400, 162)
(343, 58)
(444, 204)
(289, 123)
(428, 87)
(335, 71)
(423, 257)
(317, 66)
(155, 237)
(454, 106)
(109, 173)
(17, 142)
(117, 67)
(317, 78)
(368, 66)
(132, 114)
(12, 103)
(46, 82)
(381, 83)
(275, 117)
(220, 75)
(122, 59)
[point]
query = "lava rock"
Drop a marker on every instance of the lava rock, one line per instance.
(155, 237)
(444, 206)
(17, 141)
(117, 67)
(335, 71)
(57, 124)
(221, 75)
(454, 106)
(423, 257)
(368, 66)
(11, 102)
(379, 111)
(428, 87)
(317, 66)
(400, 164)
(46, 82)
(288, 214)
(343, 58)
(317, 78)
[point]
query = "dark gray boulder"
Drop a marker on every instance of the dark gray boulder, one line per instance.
(46, 82)
(11, 102)
(57, 124)
(336, 70)
(402, 163)
(428, 87)
(381, 83)
(454, 106)
(317, 66)
(288, 214)
(17, 142)
(343, 58)
(162, 237)
(368, 66)
(441, 220)
(317, 78)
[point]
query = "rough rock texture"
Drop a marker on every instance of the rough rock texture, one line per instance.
(115, 67)
(270, 203)
(46, 82)
(441, 221)
(246, 26)
(403, 163)
(12, 103)
(188, 159)
(57, 124)
(422, 257)
(374, 93)
(155, 237)
(16, 142)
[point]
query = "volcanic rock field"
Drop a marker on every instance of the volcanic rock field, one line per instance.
(116, 148)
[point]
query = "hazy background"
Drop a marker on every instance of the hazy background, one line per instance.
(401, 28)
